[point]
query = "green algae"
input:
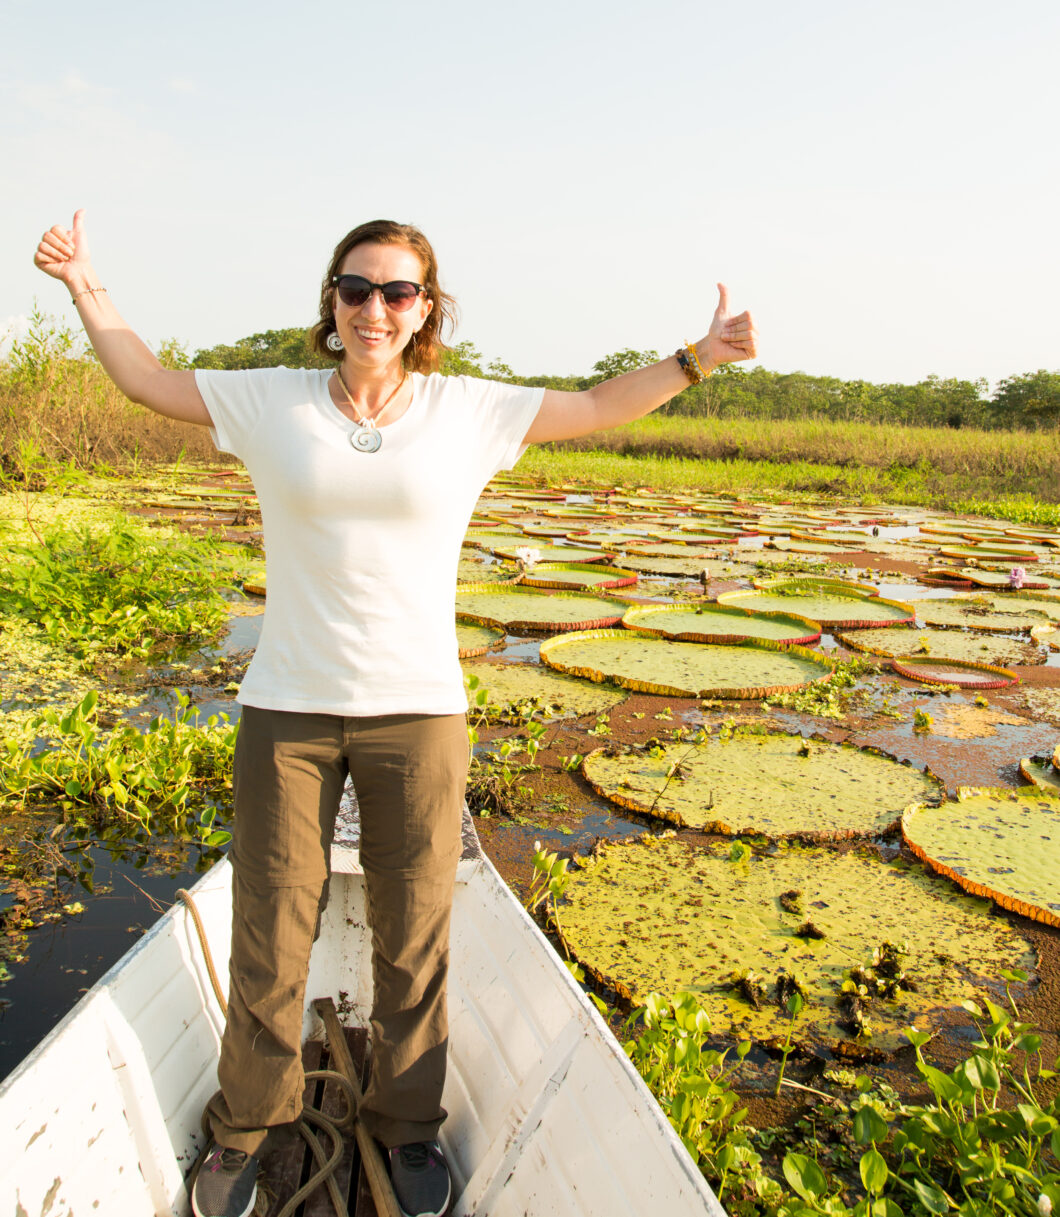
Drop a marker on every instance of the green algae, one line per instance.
(776, 784)
(658, 915)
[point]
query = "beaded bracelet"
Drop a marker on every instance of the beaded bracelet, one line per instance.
(692, 352)
(87, 292)
(682, 358)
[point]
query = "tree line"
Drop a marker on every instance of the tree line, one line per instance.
(1025, 401)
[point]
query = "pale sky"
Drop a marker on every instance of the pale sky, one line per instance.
(879, 184)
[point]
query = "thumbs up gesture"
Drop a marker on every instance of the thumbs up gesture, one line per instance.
(63, 253)
(729, 339)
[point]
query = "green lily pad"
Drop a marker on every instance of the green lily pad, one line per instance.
(1040, 773)
(524, 608)
(557, 553)
(659, 915)
(575, 574)
(1004, 844)
(710, 622)
(945, 644)
(829, 608)
(647, 565)
(934, 671)
(979, 613)
(685, 669)
(529, 686)
(494, 540)
(777, 784)
(476, 639)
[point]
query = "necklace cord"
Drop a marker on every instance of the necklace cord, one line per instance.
(370, 421)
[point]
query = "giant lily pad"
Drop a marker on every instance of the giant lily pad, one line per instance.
(979, 613)
(780, 785)
(710, 622)
(685, 669)
(1000, 843)
(660, 916)
(529, 686)
(945, 644)
(931, 670)
(840, 611)
(576, 574)
(523, 608)
(647, 565)
(476, 639)
(1041, 773)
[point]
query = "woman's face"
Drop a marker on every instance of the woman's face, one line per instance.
(375, 335)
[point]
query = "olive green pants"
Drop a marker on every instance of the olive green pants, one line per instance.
(409, 772)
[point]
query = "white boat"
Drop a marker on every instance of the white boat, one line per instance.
(546, 1114)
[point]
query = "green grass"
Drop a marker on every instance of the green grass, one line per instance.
(938, 467)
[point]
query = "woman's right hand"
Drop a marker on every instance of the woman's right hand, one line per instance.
(63, 253)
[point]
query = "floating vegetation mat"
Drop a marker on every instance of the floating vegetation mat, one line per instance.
(829, 608)
(685, 669)
(778, 784)
(716, 623)
(945, 644)
(656, 915)
(522, 686)
(476, 639)
(1004, 844)
(524, 608)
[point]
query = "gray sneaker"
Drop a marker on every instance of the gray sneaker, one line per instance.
(226, 1185)
(421, 1179)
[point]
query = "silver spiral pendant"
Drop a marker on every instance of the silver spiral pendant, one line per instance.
(366, 439)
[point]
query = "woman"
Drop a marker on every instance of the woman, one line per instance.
(367, 476)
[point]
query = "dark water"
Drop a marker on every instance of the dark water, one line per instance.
(66, 958)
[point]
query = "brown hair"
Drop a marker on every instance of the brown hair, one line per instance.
(424, 351)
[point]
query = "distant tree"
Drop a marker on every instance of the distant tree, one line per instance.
(289, 347)
(623, 361)
(173, 354)
(497, 370)
(1029, 400)
(464, 359)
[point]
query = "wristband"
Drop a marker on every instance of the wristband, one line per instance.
(87, 292)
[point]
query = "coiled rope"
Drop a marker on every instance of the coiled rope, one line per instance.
(327, 1163)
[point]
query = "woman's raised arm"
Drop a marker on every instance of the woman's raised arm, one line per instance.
(126, 359)
(624, 398)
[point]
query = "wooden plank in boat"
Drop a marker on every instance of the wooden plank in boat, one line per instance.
(286, 1168)
(333, 1105)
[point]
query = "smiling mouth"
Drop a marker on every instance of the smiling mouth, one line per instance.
(372, 335)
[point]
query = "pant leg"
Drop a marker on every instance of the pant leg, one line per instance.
(409, 772)
(289, 774)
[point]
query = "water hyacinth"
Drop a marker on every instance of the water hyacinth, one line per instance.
(1016, 577)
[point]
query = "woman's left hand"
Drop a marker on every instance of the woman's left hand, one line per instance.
(729, 339)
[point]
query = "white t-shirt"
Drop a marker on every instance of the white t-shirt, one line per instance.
(362, 547)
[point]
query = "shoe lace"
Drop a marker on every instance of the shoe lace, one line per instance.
(415, 1155)
(231, 1161)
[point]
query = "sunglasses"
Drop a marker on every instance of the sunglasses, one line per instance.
(355, 291)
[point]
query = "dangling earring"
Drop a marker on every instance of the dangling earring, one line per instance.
(334, 343)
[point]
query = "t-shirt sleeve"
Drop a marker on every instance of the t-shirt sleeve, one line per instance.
(235, 401)
(503, 414)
